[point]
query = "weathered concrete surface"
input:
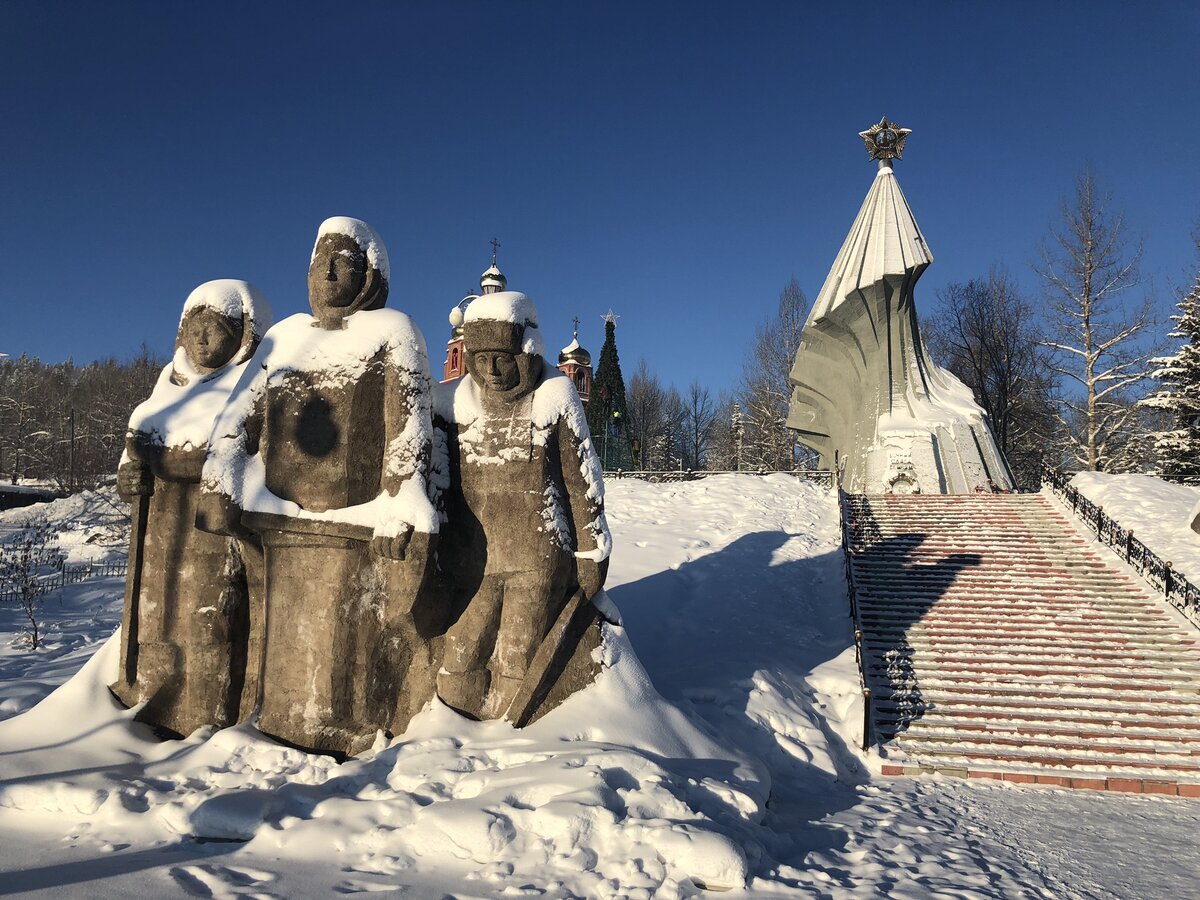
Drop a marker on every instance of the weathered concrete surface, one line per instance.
(865, 394)
(519, 505)
(338, 424)
(190, 651)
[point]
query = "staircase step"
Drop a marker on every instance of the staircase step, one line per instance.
(1000, 642)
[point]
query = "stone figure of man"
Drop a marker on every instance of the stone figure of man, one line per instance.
(188, 651)
(323, 452)
(525, 530)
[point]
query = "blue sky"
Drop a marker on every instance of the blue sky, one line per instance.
(677, 162)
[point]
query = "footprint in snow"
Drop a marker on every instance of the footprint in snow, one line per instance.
(221, 881)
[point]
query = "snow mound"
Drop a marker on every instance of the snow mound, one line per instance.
(91, 526)
(613, 779)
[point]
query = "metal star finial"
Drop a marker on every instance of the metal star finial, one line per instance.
(610, 317)
(885, 140)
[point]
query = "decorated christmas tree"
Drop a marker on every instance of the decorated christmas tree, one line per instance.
(606, 412)
(1178, 448)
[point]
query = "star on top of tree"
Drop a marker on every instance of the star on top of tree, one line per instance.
(885, 140)
(610, 316)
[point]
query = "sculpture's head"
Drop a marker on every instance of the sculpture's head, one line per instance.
(210, 338)
(348, 271)
(222, 324)
(504, 346)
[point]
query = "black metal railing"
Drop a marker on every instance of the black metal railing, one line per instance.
(1159, 573)
(852, 593)
(822, 477)
(72, 575)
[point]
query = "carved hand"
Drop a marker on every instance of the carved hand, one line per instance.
(392, 547)
(134, 479)
(218, 514)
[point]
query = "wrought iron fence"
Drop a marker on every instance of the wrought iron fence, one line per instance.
(72, 575)
(822, 477)
(852, 592)
(1177, 589)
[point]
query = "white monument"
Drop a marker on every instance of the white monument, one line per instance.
(865, 395)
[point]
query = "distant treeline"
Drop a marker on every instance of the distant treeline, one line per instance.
(65, 424)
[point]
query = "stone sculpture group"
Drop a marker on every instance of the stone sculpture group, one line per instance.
(325, 540)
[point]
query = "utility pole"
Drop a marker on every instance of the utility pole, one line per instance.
(72, 479)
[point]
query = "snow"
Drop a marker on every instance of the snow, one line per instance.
(363, 235)
(333, 359)
(510, 306)
(1160, 514)
(181, 409)
(732, 596)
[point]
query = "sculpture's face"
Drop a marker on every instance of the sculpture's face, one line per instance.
(495, 370)
(335, 277)
(211, 339)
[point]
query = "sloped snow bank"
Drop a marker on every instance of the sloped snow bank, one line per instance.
(1160, 514)
(91, 526)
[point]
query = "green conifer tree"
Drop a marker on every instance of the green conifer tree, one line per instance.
(607, 414)
(1178, 448)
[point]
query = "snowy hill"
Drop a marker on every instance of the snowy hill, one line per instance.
(738, 765)
(1160, 513)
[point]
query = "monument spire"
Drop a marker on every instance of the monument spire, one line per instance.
(865, 393)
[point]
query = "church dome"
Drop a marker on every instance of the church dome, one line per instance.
(492, 281)
(574, 353)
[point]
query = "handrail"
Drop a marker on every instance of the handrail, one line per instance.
(1157, 572)
(852, 592)
(822, 477)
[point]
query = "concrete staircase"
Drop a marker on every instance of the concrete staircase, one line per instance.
(1000, 642)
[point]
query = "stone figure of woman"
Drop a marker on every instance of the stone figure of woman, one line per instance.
(323, 453)
(188, 650)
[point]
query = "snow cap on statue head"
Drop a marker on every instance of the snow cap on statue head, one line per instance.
(371, 245)
(235, 301)
(506, 322)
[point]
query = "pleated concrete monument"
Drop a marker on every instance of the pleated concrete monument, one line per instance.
(865, 394)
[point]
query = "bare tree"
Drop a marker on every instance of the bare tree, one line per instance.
(765, 390)
(987, 333)
(700, 416)
(645, 401)
(65, 424)
(27, 563)
(1096, 339)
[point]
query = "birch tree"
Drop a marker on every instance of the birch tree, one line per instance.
(1097, 339)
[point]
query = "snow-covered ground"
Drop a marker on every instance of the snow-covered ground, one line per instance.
(1160, 514)
(740, 763)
